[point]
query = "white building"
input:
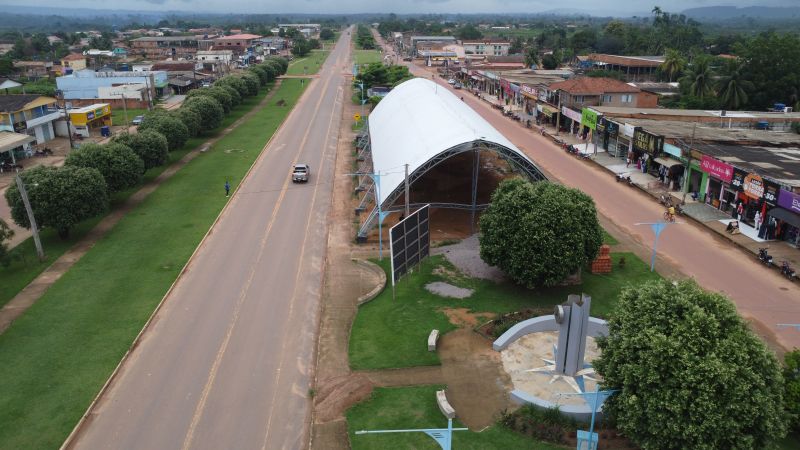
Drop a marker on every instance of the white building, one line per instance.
(488, 47)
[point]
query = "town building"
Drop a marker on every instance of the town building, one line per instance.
(578, 93)
(164, 47)
(488, 47)
(72, 62)
(238, 43)
(84, 84)
(632, 68)
(314, 27)
(86, 119)
(417, 44)
(14, 146)
(217, 62)
(29, 114)
(34, 70)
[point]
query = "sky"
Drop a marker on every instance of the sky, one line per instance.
(616, 7)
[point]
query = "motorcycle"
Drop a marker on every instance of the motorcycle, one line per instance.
(788, 272)
(665, 200)
(623, 177)
(764, 257)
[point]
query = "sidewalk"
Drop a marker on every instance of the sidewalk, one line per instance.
(713, 219)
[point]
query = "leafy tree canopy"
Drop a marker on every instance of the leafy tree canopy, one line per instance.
(689, 372)
(60, 197)
(151, 147)
(170, 126)
(120, 166)
(210, 111)
(539, 233)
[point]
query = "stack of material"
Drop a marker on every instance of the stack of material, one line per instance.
(603, 262)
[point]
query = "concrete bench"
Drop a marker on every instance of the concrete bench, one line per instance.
(444, 405)
(432, 338)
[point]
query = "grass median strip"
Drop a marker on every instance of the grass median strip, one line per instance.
(391, 333)
(414, 408)
(58, 355)
(308, 65)
(26, 267)
(366, 56)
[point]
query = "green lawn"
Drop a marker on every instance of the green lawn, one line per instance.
(308, 65)
(366, 56)
(415, 407)
(118, 115)
(59, 353)
(391, 333)
(26, 267)
(609, 239)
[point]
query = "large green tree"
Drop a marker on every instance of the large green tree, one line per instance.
(772, 64)
(60, 197)
(732, 86)
(698, 79)
(539, 233)
(120, 166)
(217, 93)
(170, 126)
(688, 371)
(210, 111)
(326, 34)
(468, 32)
(673, 64)
(6, 233)
(191, 119)
(791, 375)
(151, 147)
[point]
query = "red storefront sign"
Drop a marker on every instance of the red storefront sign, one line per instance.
(717, 168)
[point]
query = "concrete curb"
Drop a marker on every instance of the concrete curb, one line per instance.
(372, 267)
(69, 441)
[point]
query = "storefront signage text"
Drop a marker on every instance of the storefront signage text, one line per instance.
(737, 181)
(771, 192)
(628, 130)
(716, 168)
(790, 201)
(571, 114)
(753, 186)
(646, 142)
(589, 118)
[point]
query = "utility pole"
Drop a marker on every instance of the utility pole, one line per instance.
(558, 114)
(34, 229)
(406, 186)
(125, 109)
(688, 165)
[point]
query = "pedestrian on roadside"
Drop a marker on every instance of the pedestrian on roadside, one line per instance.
(628, 161)
(739, 211)
(757, 220)
(227, 188)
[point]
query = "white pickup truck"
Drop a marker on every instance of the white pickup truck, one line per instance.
(300, 173)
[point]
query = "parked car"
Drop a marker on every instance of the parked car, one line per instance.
(451, 81)
(407, 58)
(300, 173)
(457, 85)
(137, 120)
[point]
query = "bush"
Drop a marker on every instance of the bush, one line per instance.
(791, 375)
(6, 233)
(548, 425)
(217, 93)
(539, 233)
(120, 167)
(260, 72)
(236, 99)
(60, 197)
(234, 82)
(210, 111)
(252, 82)
(190, 119)
(151, 147)
(326, 34)
(689, 372)
(168, 125)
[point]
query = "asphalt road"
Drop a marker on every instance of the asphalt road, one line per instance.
(227, 362)
(760, 294)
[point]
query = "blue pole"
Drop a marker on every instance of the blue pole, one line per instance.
(591, 426)
(377, 178)
(448, 443)
(655, 249)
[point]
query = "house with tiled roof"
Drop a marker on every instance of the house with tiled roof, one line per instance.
(72, 62)
(578, 93)
(239, 43)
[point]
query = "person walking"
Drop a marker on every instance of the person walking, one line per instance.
(227, 188)
(757, 220)
(739, 211)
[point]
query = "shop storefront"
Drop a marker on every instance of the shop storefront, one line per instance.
(89, 118)
(787, 215)
(574, 119)
(646, 146)
(719, 179)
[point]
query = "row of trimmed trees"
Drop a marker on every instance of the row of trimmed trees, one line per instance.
(61, 197)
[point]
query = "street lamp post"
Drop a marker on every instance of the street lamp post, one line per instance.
(29, 210)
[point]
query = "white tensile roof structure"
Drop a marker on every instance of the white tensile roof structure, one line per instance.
(421, 124)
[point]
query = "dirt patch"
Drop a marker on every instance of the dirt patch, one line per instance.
(335, 395)
(443, 289)
(463, 317)
(477, 385)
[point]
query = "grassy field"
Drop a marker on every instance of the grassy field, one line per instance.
(387, 333)
(366, 56)
(415, 407)
(118, 115)
(26, 267)
(57, 356)
(308, 65)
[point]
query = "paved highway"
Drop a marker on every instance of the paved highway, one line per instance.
(760, 294)
(227, 362)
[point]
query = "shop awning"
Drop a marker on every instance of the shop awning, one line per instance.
(786, 216)
(668, 163)
(10, 141)
(548, 110)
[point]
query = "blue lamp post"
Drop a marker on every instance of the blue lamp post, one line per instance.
(597, 399)
(657, 227)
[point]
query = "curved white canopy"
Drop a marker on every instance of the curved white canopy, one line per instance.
(417, 121)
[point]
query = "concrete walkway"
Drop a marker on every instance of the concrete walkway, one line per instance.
(33, 291)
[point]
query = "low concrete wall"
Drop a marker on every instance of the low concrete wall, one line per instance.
(597, 327)
(372, 267)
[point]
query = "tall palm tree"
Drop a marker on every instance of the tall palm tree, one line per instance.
(732, 86)
(673, 64)
(699, 78)
(531, 57)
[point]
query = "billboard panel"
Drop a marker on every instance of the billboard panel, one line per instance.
(410, 242)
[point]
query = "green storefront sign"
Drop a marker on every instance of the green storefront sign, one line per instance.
(589, 118)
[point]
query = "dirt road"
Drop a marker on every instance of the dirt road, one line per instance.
(227, 361)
